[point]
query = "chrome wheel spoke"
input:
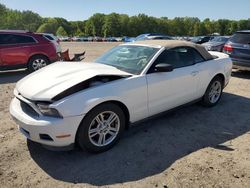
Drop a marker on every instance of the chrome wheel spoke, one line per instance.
(100, 139)
(93, 132)
(113, 129)
(111, 133)
(111, 118)
(34, 65)
(104, 139)
(99, 119)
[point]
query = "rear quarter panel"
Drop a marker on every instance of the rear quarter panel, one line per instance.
(46, 49)
(209, 69)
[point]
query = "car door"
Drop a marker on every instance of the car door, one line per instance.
(15, 49)
(167, 90)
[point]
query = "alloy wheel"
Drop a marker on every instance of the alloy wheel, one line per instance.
(104, 128)
(215, 92)
(38, 64)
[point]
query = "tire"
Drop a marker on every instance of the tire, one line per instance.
(90, 135)
(213, 93)
(37, 62)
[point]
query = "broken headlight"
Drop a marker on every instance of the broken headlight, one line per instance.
(46, 110)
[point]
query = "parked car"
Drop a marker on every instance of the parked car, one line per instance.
(128, 39)
(216, 44)
(90, 39)
(118, 39)
(64, 38)
(152, 36)
(84, 38)
(22, 49)
(111, 39)
(92, 103)
(55, 41)
(97, 39)
(76, 39)
(238, 48)
(201, 39)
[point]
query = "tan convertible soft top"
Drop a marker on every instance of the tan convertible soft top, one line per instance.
(176, 43)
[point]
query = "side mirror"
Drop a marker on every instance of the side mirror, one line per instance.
(162, 67)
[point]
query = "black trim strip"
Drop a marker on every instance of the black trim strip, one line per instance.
(86, 84)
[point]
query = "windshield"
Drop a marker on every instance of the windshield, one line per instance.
(129, 58)
(220, 39)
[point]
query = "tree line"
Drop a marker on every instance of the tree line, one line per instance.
(114, 24)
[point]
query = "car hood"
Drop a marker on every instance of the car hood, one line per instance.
(49, 81)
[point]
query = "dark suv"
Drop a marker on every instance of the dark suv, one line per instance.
(21, 49)
(238, 48)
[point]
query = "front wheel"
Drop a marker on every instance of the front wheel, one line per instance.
(37, 62)
(101, 128)
(213, 92)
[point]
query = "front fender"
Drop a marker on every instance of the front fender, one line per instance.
(132, 92)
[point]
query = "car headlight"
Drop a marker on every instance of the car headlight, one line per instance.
(46, 110)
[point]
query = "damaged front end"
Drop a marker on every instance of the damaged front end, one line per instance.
(90, 83)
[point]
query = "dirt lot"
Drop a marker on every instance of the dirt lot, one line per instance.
(191, 147)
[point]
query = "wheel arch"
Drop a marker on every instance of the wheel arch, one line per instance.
(38, 54)
(121, 105)
(220, 75)
(118, 103)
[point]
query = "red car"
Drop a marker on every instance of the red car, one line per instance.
(21, 49)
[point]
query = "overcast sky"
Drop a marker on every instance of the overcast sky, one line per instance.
(83, 9)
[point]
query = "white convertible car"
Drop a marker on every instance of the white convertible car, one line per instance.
(92, 103)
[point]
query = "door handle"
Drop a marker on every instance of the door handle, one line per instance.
(194, 73)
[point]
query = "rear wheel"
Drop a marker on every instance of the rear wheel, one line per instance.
(213, 92)
(37, 62)
(101, 128)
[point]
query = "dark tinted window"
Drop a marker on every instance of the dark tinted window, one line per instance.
(206, 39)
(242, 38)
(160, 38)
(48, 37)
(196, 55)
(15, 39)
(5, 39)
(178, 57)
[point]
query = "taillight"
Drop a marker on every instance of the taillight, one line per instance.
(228, 49)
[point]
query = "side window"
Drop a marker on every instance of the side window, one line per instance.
(197, 56)
(169, 57)
(48, 37)
(5, 39)
(189, 56)
(178, 57)
(9, 39)
(21, 39)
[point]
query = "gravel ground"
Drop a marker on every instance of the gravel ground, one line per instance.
(191, 147)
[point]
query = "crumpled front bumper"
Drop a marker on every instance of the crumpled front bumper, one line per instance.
(58, 132)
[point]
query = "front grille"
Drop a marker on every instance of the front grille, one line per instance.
(28, 109)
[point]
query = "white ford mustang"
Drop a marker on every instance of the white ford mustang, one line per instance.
(91, 103)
